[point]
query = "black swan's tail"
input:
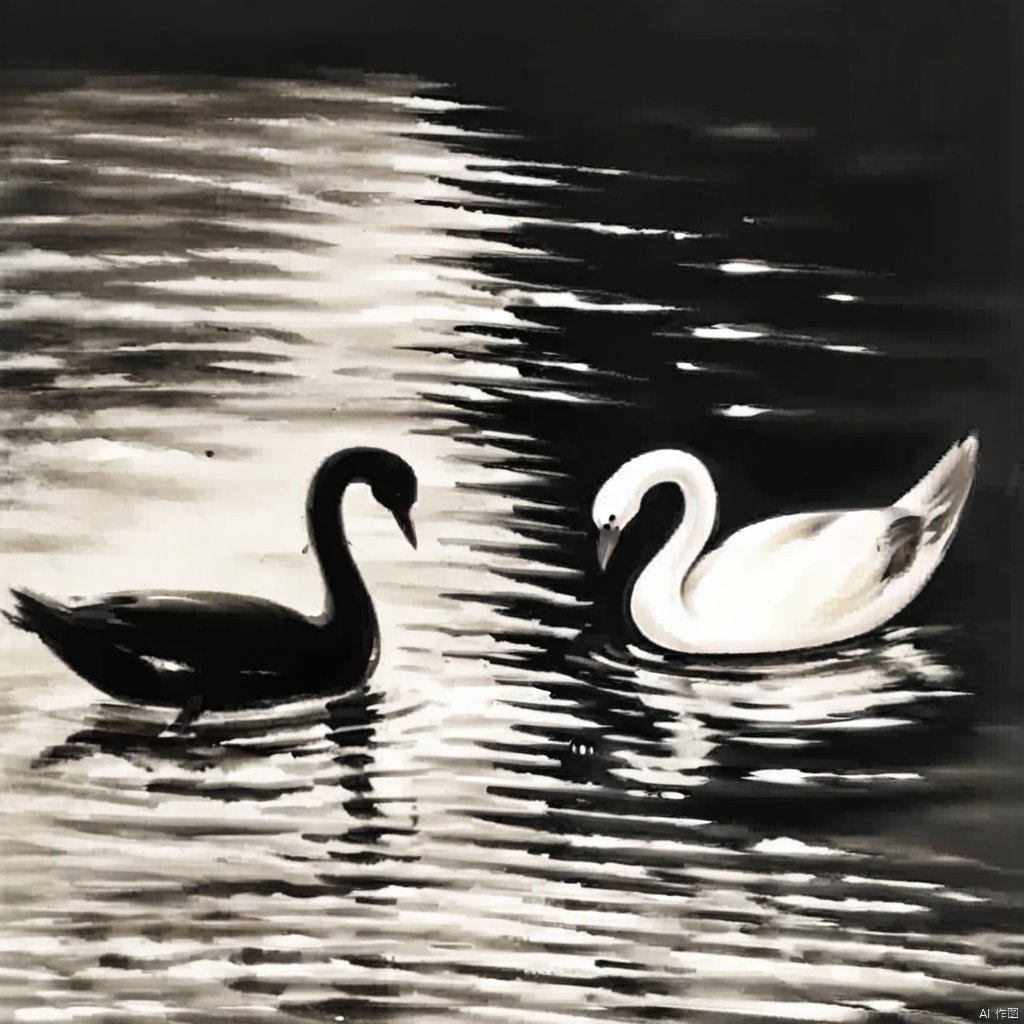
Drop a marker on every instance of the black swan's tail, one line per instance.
(35, 613)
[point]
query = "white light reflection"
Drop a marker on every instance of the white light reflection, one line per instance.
(741, 412)
(747, 267)
(725, 332)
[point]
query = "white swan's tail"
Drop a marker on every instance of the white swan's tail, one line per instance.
(940, 495)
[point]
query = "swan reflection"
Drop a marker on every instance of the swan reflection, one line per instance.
(850, 717)
(269, 760)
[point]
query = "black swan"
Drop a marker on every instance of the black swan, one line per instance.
(211, 651)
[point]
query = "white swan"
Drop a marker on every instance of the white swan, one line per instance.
(786, 583)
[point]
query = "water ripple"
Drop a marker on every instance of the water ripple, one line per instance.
(524, 816)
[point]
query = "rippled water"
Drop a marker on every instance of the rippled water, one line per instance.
(210, 285)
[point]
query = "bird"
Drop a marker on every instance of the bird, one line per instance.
(787, 583)
(206, 651)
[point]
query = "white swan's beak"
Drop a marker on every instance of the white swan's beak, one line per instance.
(405, 524)
(606, 540)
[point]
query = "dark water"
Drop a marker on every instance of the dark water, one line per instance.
(525, 816)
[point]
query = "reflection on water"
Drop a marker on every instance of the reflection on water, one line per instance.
(206, 288)
(829, 724)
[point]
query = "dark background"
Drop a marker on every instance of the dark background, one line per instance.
(923, 90)
(926, 78)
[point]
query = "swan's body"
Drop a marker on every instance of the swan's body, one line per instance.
(198, 650)
(791, 582)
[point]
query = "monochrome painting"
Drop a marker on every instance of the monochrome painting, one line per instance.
(510, 513)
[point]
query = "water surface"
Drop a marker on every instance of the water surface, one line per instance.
(209, 285)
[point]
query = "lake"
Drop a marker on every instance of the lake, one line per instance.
(208, 285)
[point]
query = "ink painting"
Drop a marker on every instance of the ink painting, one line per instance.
(510, 512)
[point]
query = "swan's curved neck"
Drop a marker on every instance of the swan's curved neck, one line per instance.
(343, 583)
(657, 599)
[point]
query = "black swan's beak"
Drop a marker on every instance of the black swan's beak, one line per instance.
(405, 524)
(607, 538)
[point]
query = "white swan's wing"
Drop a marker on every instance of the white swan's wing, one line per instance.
(940, 495)
(794, 573)
(809, 579)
